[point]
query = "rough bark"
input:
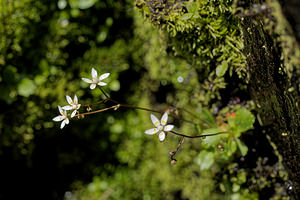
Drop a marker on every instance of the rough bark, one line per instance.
(276, 107)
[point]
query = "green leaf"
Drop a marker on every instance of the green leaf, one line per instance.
(197, 128)
(244, 120)
(212, 140)
(26, 87)
(232, 147)
(221, 69)
(235, 187)
(205, 159)
(206, 116)
(186, 16)
(211, 131)
(82, 4)
(191, 7)
(243, 148)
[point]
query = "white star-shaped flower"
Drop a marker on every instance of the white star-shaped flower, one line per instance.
(95, 80)
(61, 117)
(161, 126)
(74, 105)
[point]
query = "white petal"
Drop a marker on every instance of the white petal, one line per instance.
(69, 100)
(151, 131)
(102, 83)
(92, 86)
(94, 73)
(87, 80)
(73, 113)
(68, 107)
(164, 119)
(168, 127)
(75, 99)
(58, 118)
(104, 76)
(66, 121)
(162, 136)
(155, 121)
(60, 110)
(63, 123)
(78, 106)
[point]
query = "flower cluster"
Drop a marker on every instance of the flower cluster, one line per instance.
(73, 103)
(161, 127)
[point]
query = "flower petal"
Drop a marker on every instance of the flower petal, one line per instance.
(168, 127)
(67, 121)
(161, 136)
(78, 106)
(103, 76)
(58, 118)
(87, 80)
(151, 131)
(164, 119)
(63, 123)
(92, 86)
(155, 121)
(94, 73)
(69, 100)
(73, 113)
(102, 83)
(60, 110)
(68, 107)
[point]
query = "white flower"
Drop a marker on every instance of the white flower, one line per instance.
(61, 117)
(95, 79)
(74, 105)
(161, 126)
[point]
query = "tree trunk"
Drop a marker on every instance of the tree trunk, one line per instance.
(276, 107)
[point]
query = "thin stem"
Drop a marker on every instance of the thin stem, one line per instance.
(99, 102)
(173, 153)
(107, 97)
(139, 108)
(197, 136)
(98, 111)
(146, 109)
(134, 107)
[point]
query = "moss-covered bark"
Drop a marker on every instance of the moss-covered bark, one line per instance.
(276, 107)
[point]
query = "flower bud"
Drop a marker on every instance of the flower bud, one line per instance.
(173, 162)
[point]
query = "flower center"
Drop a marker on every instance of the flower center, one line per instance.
(95, 80)
(160, 127)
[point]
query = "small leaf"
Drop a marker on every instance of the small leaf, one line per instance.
(244, 120)
(235, 187)
(206, 116)
(243, 148)
(26, 87)
(191, 7)
(221, 69)
(205, 159)
(186, 16)
(211, 131)
(82, 4)
(197, 128)
(212, 140)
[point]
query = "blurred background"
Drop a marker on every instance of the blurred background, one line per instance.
(46, 46)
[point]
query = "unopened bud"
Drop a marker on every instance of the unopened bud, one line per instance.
(171, 153)
(173, 162)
